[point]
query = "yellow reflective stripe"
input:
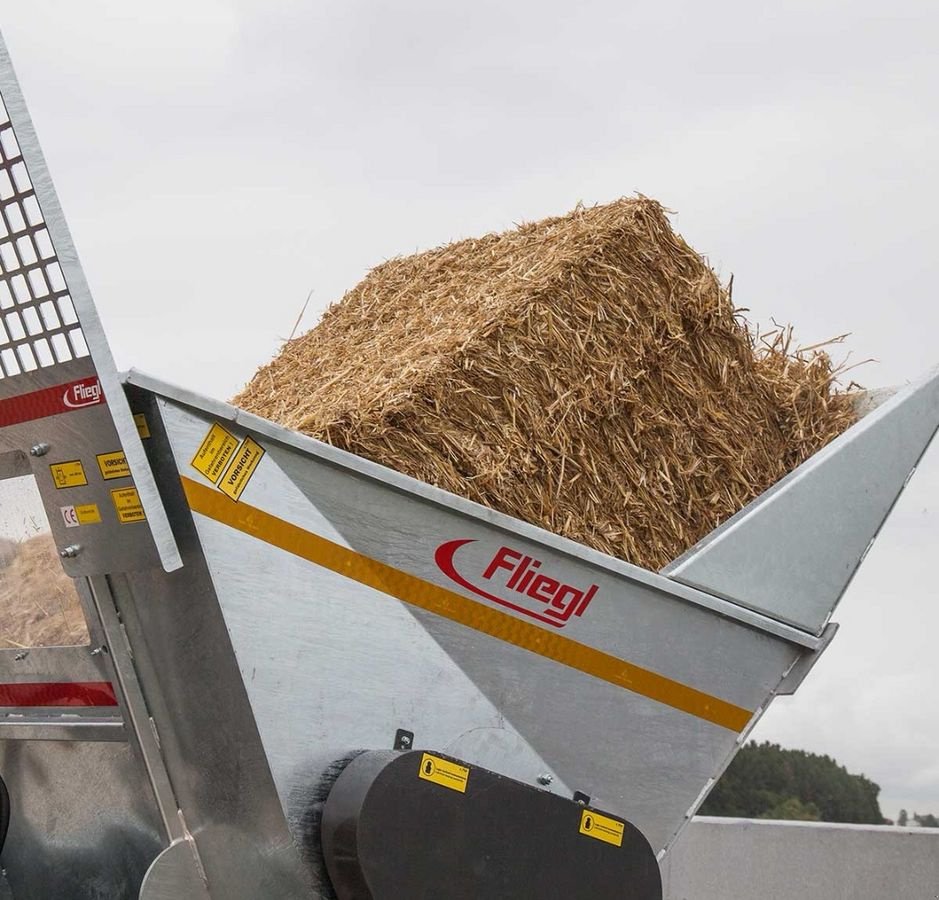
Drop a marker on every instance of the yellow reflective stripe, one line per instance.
(417, 592)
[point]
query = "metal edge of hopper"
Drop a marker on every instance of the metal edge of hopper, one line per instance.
(269, 430)
(793, 551)
(87, 313)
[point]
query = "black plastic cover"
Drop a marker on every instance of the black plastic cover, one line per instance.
(425, 826)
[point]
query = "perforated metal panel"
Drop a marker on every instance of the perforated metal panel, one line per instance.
(38, 323)
(59, 388)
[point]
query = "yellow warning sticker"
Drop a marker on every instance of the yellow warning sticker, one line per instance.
(68, 474)
(143, 429)
(86, 514)
(127, 503)
(603, 828)
(113, 465)
(214, 453)
(442, 771)
(241, 468)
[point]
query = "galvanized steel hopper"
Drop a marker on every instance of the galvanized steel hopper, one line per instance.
(326, 605)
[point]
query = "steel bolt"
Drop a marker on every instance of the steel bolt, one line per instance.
(21, 655)
(545, 779)
(71, 551)
(39, 449)
(405, 741)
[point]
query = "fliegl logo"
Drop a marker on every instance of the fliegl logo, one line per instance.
(513, 579)
(83, 393)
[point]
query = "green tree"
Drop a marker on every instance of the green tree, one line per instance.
(763, 780)
(793, 808)
(903, 818)
(926, 821)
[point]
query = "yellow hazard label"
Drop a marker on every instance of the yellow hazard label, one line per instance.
(214, 453)
(603, 828)
(442, 771)
(241, 468)
(113, 465)
(68, 474)
(86, 514)
(143, 429)
(127, 503)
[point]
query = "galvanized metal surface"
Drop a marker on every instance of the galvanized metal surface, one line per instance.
(805, 663)
(332, 665)
(59, 728)
(792, 552)
(207, 738)
(14, 464)
(193, 738)
(53, 664)
(83, 822)
(175, 875)
(107, 545)
(31, 180)
(135, 708)
(207, 735)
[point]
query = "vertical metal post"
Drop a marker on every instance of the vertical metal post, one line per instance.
(135, 709)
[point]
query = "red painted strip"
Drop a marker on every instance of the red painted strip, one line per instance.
(51, 401)
(58, 693)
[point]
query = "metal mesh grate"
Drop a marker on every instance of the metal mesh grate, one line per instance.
(38, 324)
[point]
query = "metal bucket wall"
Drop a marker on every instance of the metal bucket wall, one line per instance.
(361, 604)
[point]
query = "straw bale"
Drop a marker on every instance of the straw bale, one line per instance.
(39, 602)
(587, 373)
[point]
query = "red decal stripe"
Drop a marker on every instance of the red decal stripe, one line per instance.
(51, 401)
(58, 693)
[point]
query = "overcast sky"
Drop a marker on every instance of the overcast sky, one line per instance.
(216, 161)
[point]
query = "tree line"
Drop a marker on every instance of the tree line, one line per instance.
(764, 781)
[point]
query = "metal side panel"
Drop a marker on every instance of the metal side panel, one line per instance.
(206, 734)
(83, 821)
(201, 717)
(793, 551)
(59, 388)
(358, 606)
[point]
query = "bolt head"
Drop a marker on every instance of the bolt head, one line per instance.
(545, 779)
(40, 449)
